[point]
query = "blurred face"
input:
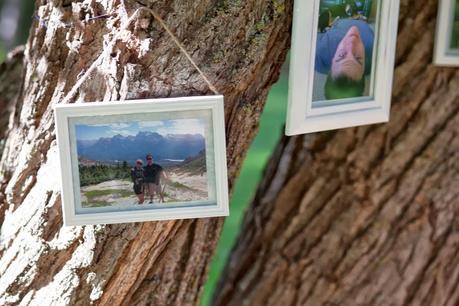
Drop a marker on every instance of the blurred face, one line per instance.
(139, 164)
(150, 160)
(349, 59)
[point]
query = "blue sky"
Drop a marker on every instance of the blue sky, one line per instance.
(179, 126)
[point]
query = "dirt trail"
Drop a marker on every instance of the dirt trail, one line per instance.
(120, 194)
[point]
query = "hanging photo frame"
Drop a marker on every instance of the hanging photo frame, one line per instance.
(342, 61)
(447, 35)
(142, 160)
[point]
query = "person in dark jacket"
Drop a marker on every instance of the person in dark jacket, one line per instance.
(153, 173)
(138, 177)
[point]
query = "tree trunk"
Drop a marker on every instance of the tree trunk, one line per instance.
(124, 53)
(362, 216)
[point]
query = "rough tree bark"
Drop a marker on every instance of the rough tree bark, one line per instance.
(363, 216)
(124, 54)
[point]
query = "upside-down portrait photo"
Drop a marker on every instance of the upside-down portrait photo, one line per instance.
(344, 49)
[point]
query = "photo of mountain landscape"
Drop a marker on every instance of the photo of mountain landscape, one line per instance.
(113, 162)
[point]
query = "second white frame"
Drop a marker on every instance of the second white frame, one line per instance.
(301, 116)
(443, 55)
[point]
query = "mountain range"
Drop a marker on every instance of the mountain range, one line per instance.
(130, 148)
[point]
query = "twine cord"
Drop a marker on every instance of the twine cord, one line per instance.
(182, 49)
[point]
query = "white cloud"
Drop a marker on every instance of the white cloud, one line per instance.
(177, 126)
(119, 125)
(122, 132)
(150, 124)
(183, 126)
(112, 125)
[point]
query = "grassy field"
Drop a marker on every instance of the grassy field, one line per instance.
(95, 174)
(271, 129)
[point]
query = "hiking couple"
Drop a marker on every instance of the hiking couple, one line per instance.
(147, 180)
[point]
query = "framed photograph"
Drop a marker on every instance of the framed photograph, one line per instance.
(342, 61)
(447, 36)
(142, 160)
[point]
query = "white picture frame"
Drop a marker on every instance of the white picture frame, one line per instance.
(302, 117)
(212, 104)
(443, 54)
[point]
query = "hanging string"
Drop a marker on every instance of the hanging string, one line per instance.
(99, 17)
(182, 48)
(94, 65)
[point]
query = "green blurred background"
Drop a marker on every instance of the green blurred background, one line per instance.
(15, 19)
(271, 129)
